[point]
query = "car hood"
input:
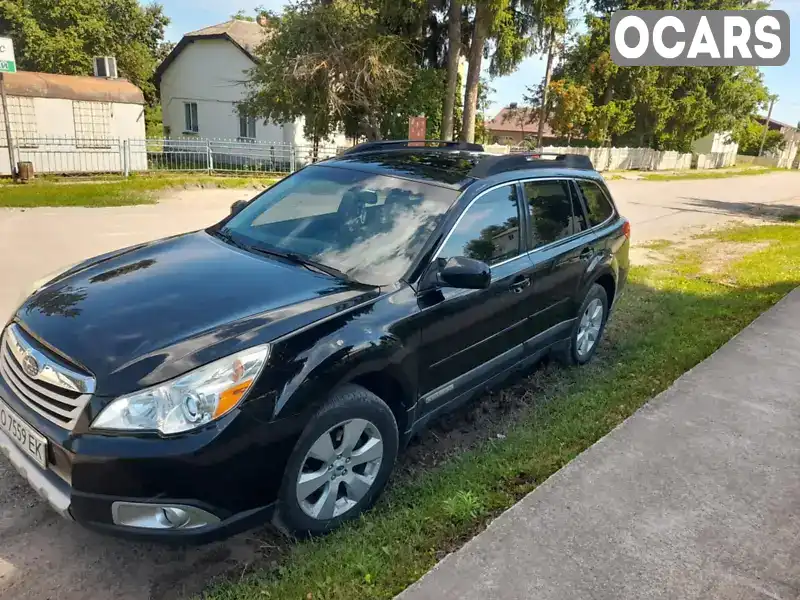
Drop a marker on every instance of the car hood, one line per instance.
(149, 313)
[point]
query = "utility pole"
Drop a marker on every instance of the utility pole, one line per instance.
(547, 75)
(9, 139)
(8, 64)
(772, 100)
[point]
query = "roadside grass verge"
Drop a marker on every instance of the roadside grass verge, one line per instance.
(138, 189)
(711, 174)
(672, 316)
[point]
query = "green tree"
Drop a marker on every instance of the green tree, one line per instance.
(454, 35)
(571, 108)
(660, 107)
(748, 135)
(507, 31)
(332, 63)
(62, 36)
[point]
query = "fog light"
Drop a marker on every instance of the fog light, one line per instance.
(160, 516)
(174, 517)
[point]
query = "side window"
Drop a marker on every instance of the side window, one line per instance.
(597, 205)
(489, 230)
(550, 209)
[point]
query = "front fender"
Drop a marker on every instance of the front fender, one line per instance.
(369, 340)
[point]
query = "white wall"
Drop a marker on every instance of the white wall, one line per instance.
(715, 143)
(55, 150)
(212, 74)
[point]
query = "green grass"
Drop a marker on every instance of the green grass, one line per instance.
(711, 174)
(671, 317)
(659, 245)
(106, 191)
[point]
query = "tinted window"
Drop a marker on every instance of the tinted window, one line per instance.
(367, 225)
(597, 205)
(489, 230)
(445, 168)
(550, 212)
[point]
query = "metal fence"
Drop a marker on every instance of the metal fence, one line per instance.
(70, 155)
(67, 155)
(224, 156)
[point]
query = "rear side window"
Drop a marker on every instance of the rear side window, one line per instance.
(597, 205)
(488, 230)
(550, 210)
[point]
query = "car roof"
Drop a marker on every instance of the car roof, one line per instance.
(446, 168)
(458, 169)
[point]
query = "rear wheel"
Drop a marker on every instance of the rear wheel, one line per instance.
(340, 464)
(589, 327)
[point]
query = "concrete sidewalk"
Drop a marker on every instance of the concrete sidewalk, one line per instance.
(697, 495)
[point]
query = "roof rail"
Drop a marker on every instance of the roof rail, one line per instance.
(529, 160)
(403, 144)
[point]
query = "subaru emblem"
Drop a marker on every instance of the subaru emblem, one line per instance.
(30, 366)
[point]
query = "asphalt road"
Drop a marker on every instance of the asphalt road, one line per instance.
(43, 556)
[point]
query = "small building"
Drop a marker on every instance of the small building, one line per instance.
(203, 80)
(70, 124)
(515, 124)
(787, 130)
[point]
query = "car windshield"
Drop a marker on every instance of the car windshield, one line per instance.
(370, 227)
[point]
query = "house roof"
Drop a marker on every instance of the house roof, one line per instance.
(245, 35)
(72, 87)
(774, 123)
(508, 120)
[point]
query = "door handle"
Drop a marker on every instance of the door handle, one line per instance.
(520, 284)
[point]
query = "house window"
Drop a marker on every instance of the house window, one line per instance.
(92, 124)
(247, 128)
(22, 118)
(190, 113)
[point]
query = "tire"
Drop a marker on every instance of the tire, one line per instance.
(576, 351)
(333, 488)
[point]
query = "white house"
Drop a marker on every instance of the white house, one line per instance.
(68, 124)
(202, 80)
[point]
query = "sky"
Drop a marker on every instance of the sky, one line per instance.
(188, 15)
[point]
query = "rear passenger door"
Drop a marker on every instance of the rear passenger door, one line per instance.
(560, 252)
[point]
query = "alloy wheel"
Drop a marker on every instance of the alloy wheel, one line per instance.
(339, 469)
(589, 328)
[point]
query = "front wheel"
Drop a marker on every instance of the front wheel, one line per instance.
(340, 464)
(589, 327)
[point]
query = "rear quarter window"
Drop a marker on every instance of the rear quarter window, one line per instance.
(598, 205)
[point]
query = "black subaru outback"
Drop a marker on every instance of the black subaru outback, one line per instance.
(274, 364)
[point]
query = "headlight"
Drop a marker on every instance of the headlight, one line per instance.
(189, 401)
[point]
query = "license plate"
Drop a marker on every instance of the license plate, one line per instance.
(30, 441)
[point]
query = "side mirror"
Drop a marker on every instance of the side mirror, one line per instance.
(465, 273)
(238, 206)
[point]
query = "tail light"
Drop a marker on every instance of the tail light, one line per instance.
(626, 229)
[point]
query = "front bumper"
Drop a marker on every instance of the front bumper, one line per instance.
(98, 512)
(230, 471)
(46, 483)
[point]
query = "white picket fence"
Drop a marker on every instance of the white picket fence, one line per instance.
(643, 159)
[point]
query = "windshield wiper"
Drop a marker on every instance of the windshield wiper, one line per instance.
(304, 261)
(227, 237)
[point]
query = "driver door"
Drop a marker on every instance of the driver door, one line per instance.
(469, 335)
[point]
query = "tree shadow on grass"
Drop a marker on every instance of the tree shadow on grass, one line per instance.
(767, 212)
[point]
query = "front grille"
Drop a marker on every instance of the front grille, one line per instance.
(53, 389)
